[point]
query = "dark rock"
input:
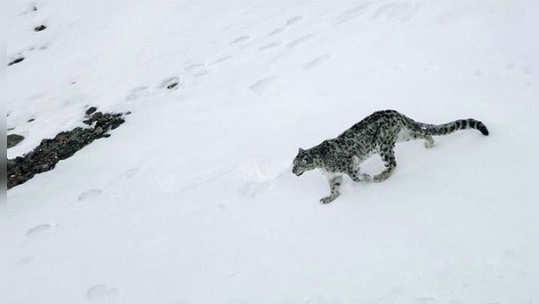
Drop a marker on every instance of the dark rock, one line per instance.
(50, 151)
(39, 28)
(91, 110)
(172, 85)
(31, 119)
(16, 60)
(13, 140)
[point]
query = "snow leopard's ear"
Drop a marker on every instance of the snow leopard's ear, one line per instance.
(301, 150)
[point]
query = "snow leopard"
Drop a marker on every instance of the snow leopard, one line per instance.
(376, 134)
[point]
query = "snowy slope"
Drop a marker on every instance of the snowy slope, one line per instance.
(192, 199)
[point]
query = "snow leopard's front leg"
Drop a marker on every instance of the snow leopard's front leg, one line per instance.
(334, 185)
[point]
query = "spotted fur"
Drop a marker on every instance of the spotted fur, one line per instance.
(377, 133)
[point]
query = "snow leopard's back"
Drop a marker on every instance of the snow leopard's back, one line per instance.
(385, 128)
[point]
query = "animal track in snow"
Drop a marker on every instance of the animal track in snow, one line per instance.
(100, 292)
(39, 230)
(240, 39)
(197, 69)
(171, 83)
(259, 175)
(293, 20)
(289, 22)
(25, 260)
(261, 85)
(269, 46)
(220, 60)
(137, 92)
(316, 61)
(130, 173)
(399, 11)
(276, 31)
(31, 9)
(252, 189)
(352, 13)
(89, 194)
(203, 179)
(426, 300)
(299, 41)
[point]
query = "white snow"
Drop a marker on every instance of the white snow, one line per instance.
(192, 199)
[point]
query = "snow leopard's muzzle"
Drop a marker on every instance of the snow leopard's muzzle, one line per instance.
(297, 171)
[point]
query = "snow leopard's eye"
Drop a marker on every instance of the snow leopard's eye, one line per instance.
(305, 160)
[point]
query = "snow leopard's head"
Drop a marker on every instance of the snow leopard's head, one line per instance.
(303, 162)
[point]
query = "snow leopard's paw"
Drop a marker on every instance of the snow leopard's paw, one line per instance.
(429, 144)
(327, 199)
(365, 178)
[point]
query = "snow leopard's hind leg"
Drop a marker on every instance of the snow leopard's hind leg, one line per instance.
(429, 141)
(388, 156)
(334, 185)
(412, 134)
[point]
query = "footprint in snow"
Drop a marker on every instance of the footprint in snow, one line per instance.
(39, 230)
(89, 194)
(293, 20)
(197, 69)
(130, 173)
(262, 84)
(316, 61)
(25, 260)
(101, 292)
(137, 93)
(260, 175)
(32, 9)
(269, 46)
(171, 83)
(352, 13)
(299, 41)
(276, 31)
(240, 39)
(252, 189)
(426, 300)
(402, 12)
(220, 60)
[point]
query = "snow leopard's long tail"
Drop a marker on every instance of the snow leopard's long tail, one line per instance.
(453, 126)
